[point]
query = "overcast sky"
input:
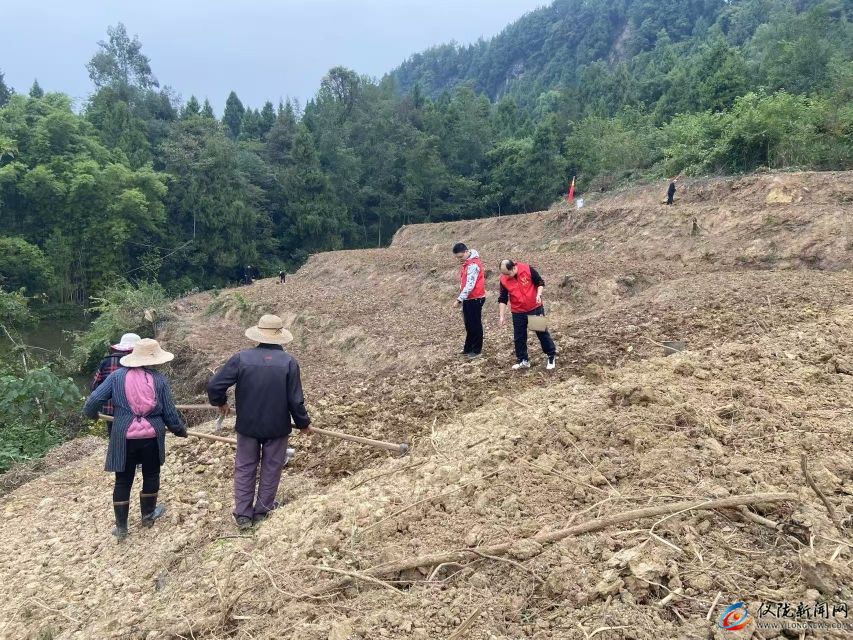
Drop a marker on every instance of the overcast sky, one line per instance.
(262, 49)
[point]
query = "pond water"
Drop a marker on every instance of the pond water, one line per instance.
(53, 337)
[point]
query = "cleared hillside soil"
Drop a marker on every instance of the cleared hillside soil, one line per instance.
(760, 295)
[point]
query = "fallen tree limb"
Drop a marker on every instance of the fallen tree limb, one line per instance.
(510, 562)
(550, 537)
(357, 576)
(468, 622)
(436, 571)
(759, 520)
(804, 465)
(796, 531)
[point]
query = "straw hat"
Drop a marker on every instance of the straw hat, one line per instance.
(269, 330)
(127, 342)
(146, 353)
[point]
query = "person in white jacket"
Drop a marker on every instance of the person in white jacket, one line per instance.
(472, 298)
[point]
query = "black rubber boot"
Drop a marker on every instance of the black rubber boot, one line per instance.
(150, 509)
(121, 510)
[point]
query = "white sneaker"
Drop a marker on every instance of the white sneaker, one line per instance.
(551, 362)
(524, 364)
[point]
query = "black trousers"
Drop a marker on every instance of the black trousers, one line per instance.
(519, 330)
(147, 453)
(472, 313)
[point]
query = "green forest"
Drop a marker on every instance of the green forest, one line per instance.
(143, 186)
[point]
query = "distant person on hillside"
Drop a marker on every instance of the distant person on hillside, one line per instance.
(247, 274)
(521, 288)
(268, 395)
(109, 364)
(144, 409)
(670, 193)
(472, 297)
(282, 277)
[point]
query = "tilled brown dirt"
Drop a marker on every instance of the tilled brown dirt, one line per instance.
(758, 292)
(22, 472)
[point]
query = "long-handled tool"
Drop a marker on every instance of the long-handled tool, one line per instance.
(209, 436)
(402, 447)
(195, 434)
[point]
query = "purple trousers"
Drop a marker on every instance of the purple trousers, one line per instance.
(271, 456)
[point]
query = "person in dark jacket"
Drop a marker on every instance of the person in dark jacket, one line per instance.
(144, 409)
(109, 364)
(471, 297)
(670, 193)
(521, 289)
(268, 395)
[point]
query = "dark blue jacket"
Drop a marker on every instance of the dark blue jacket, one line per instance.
(268, 394)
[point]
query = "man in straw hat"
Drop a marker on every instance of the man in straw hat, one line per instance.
(109, 364)
(521, 288)
(144, 409)
(268, 395)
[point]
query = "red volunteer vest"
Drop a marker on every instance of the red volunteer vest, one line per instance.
(479, 290)
(522, 291)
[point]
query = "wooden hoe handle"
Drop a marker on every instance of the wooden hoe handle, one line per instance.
(401, 448)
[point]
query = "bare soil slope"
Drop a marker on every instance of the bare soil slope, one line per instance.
(752, 274)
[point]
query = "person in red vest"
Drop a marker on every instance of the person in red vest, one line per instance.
(521, 288)
(472, 297)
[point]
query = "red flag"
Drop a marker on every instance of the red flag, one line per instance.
(572, 190)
